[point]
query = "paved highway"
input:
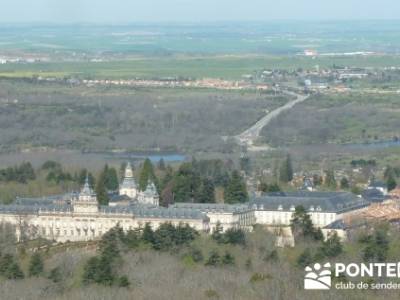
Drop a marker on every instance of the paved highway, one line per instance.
(249, 136)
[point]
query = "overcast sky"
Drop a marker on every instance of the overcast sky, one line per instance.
(123, 11)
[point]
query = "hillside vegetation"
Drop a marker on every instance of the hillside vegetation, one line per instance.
(342, 118)
(104, 118)
(178, 263)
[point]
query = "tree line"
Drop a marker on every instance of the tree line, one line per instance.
(20, 173)
(194, 181)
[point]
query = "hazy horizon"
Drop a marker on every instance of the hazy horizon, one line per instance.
(189, 11)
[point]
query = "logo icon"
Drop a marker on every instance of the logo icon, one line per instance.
(318, 278)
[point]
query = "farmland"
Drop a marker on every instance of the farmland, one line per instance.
(227, 66)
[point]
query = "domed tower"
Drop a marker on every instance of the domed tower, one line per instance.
(150, 195)
(86, 201)
(128, 186)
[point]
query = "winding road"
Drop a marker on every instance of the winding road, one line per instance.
(249, 136)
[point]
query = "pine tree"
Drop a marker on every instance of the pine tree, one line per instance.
(14, 271)
(236, 191)
(286, 170)
(332, 247)
(206, 192)
(217, 234)
(161, 165)
(148, 234)
(344, 183)
(101, 191)
(111, 178)
(36, 265)
(5, 261)
(98, 270)
(10, 268)
(302, 225)
(186, 183)
(234, 236)
(305, 258)
(391, 182)
(376, 245)
(82, 178)
(330, 180)
(269, 188)
(146, 174)
(90, 270)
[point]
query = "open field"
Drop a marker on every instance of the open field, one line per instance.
(227, 66)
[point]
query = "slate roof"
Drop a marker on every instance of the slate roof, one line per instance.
(319, 201)
(118, 198)
(338, 224)
(211, 207)
(33, 209)
(373, 195)
(138, 211)
(377, 184)
(141, 211)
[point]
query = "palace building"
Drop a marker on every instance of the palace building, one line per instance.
(79, 217)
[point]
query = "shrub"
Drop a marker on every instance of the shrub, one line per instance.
(211, 294)
(55, 275)
(214, 259)
(228, 259)
(36, 265)
(257, 277)
(123, 281)
(305, 258)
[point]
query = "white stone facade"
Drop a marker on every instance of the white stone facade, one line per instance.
(129, 188)
(227, 216)
(279, 217)
(149, 196)
(84, 220)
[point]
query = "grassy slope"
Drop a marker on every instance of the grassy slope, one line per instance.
(163, 275)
